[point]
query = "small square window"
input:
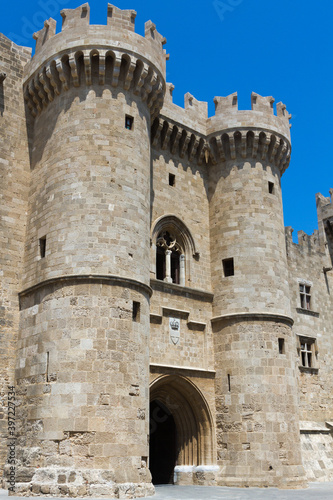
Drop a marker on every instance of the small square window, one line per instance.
(129, 122)
(305, 296)
(271, 187)
(136, 311)
(172, 180)
(281, 346)
(42, 247)
(228, 267)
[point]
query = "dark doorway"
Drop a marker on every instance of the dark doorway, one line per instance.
(162, 445)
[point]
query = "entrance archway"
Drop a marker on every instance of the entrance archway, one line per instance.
(181, 427)
(162, 444)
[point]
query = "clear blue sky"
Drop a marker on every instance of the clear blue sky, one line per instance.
(282, 48)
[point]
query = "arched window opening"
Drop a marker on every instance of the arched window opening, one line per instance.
(172, 245)
(170, 259)
(160, 263)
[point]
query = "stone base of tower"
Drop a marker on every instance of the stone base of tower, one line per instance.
(258, 439)
(69, 482)
(82, 412)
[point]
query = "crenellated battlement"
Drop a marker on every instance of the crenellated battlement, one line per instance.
(182, 130)
(325, 205)
(123, 18)
(188, 131)
(115, 55)
(79, 19)
(43, 35)
(261, 116)
(325, 219)
(193, 115)
(307, 242)
(81, 51)
(265, 105)
(320, 242)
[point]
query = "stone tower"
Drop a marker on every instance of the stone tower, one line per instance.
(256, 387)
(85, 299)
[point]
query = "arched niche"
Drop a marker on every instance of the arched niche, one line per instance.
(171, 230)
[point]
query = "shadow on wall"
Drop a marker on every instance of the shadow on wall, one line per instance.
(2, 99)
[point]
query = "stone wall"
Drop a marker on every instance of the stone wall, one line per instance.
(317, 451)
(306, 262)
(188, 200)
(14, 185)
(193, 346)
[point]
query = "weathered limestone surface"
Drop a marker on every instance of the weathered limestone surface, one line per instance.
(14, 184)
(143, 259)
(83, 372)
(317, 450)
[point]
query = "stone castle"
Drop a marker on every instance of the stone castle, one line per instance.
(158, 324)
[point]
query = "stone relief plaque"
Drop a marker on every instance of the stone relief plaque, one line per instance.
(174, 329)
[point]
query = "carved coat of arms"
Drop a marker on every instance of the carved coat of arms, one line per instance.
(174, 329)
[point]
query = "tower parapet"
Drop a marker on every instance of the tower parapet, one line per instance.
(82, 52)
(255, 133)
(261, 116)
(182, 130)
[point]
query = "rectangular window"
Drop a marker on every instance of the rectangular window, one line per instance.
(136, 311)
(271, 187)
(281, 346)
(305, 296)
(172, 180)
(228, 267)
(129, 122)
(42, 247)
(307, 352)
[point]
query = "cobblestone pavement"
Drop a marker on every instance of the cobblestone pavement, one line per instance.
(316, 491)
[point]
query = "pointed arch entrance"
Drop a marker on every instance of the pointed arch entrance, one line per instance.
(181, 428)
